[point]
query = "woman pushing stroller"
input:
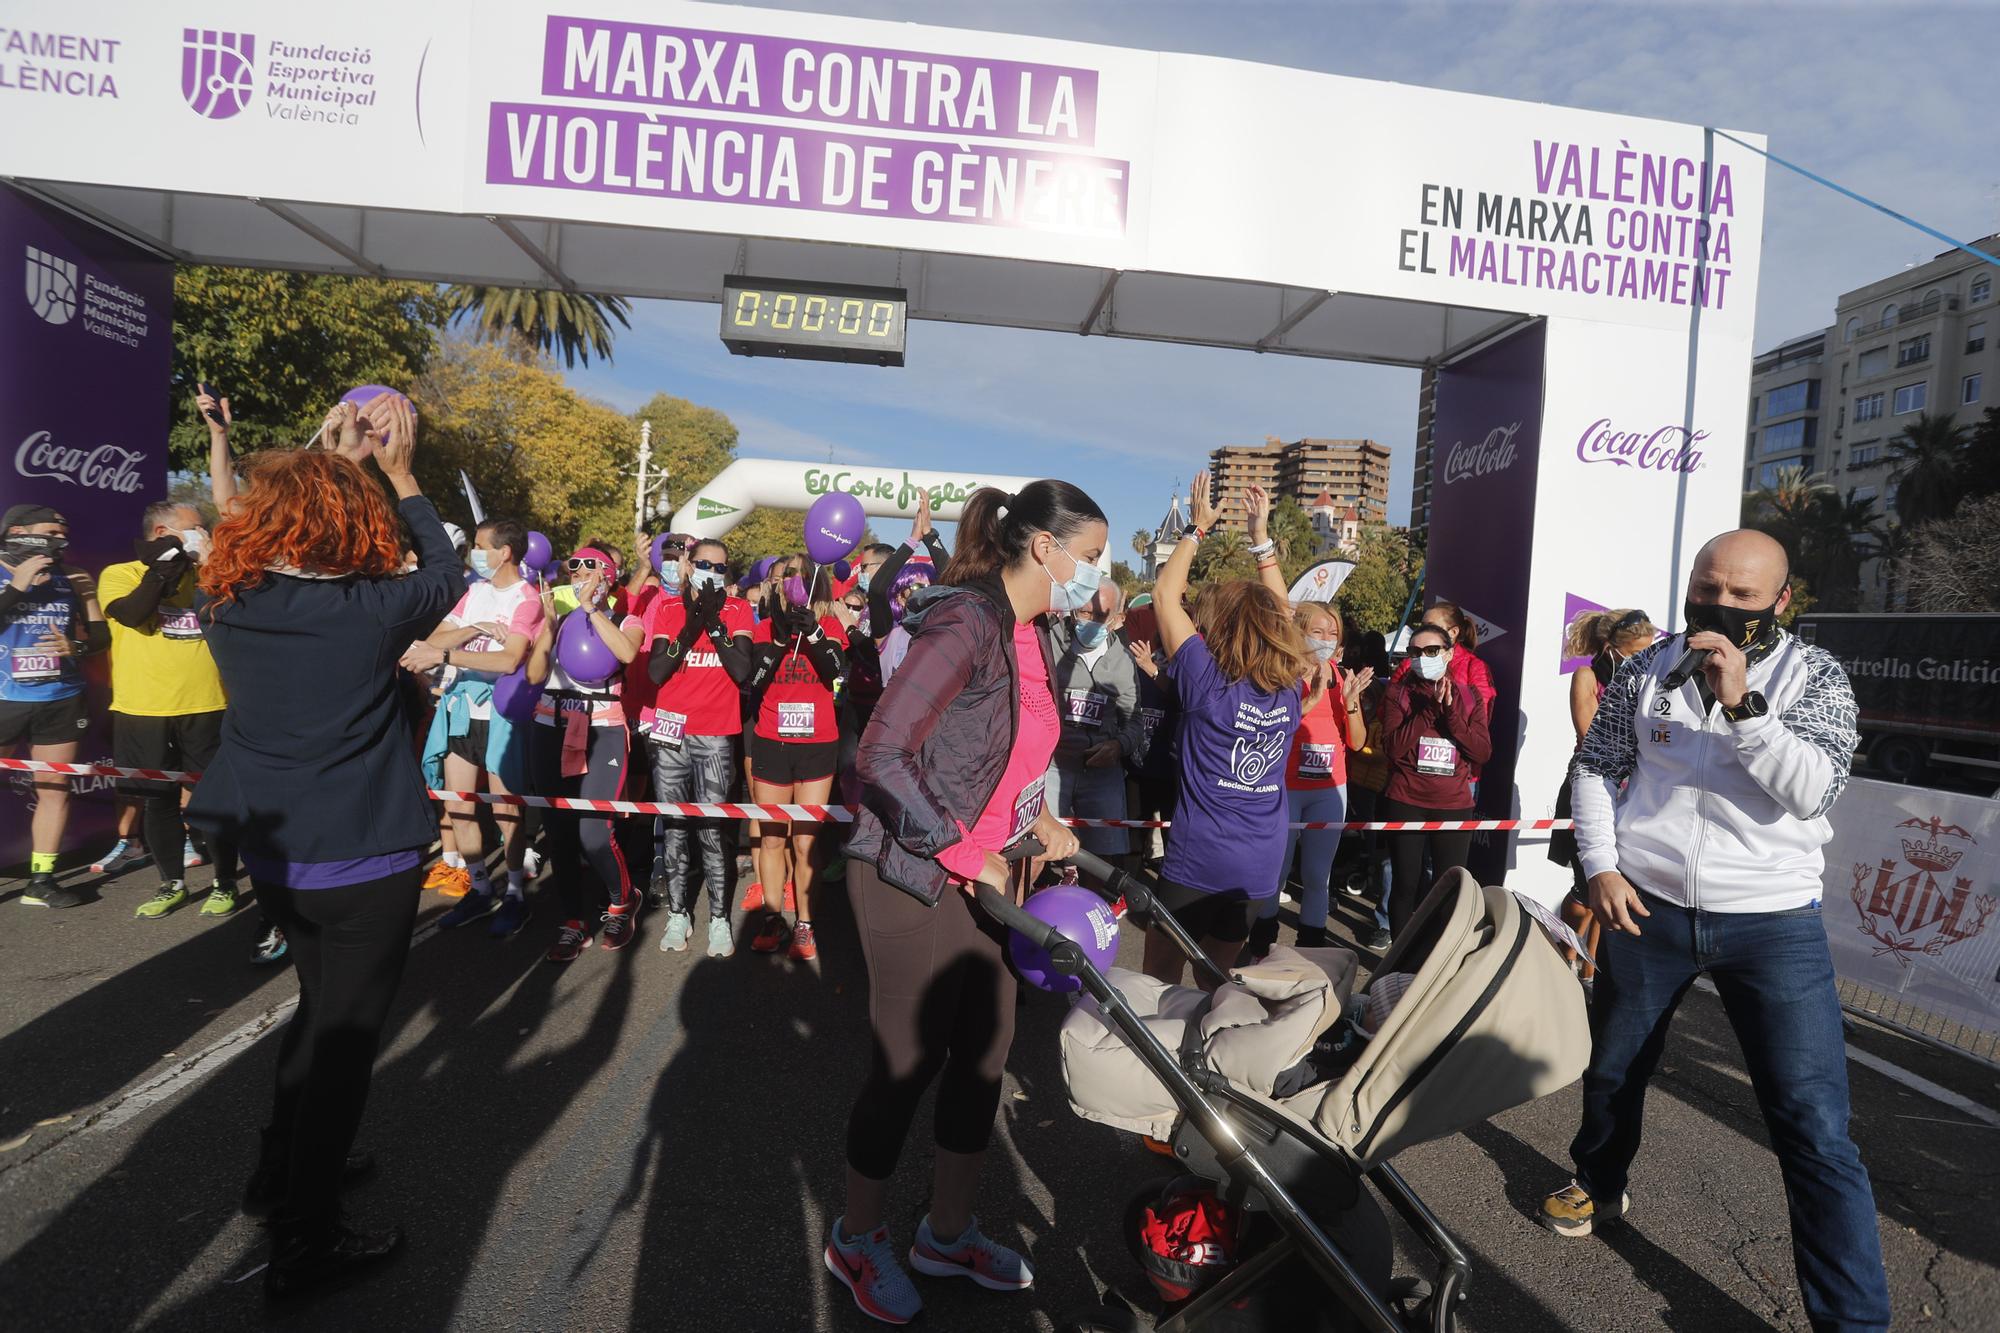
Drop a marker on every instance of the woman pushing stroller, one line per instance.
(952, 767)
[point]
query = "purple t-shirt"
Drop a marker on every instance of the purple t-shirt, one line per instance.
(1229, 824)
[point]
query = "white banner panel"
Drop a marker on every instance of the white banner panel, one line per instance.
(1912, 880)
(734, 121)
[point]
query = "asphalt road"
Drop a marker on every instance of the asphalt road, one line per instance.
(653, 1140)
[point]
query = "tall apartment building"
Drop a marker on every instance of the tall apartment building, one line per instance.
(1922, 340)
(1352, 472)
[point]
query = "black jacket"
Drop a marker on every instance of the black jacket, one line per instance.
(317, 762)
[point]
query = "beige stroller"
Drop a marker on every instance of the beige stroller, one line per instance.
(1491, 1018)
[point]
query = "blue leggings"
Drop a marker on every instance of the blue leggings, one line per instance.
(1327, 805)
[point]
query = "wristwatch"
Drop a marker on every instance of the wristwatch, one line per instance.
(1192, 531)
(1752, 704)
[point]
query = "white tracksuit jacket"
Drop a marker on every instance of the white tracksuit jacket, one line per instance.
(1716, 815)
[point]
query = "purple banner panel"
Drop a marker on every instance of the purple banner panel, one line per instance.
(767, 75)
(779, 166)
(1574, 606)
(1488, 434)
(88, 328)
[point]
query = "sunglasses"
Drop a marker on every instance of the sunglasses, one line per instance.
(712, 566)
(577, 562)
(1428, 650)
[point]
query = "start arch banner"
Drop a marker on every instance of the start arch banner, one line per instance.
(774, 483)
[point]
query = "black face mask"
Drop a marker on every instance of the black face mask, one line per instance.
(19, 546)
(1746, 629)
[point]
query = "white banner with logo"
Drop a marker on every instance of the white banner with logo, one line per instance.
(1912, 881)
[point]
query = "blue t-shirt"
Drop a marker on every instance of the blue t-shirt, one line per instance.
(1229, 821)
(29, 674)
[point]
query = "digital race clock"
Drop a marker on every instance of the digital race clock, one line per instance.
(813, 321)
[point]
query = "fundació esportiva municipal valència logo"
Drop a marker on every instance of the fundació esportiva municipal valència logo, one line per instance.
(51, 286)
(218, 71)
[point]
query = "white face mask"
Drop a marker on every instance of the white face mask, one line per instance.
(1431, 668)
(195, 542)
(1323, 649)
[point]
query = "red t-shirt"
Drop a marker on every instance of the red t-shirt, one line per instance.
(798, 706)
(701, 693)
(1319, 747)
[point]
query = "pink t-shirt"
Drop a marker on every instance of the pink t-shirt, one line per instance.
(1017, 801)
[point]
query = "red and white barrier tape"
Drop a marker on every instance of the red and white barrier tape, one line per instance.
(839, 814)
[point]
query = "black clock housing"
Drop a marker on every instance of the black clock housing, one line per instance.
(814, 321)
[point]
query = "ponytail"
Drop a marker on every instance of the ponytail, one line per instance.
(1587, 634)
(995, 528)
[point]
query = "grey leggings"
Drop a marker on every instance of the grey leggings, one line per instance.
(701, 768)
(941, 1001)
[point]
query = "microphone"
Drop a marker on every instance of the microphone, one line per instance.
(1693, 660)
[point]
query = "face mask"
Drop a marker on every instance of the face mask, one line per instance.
(1078, 589)
(705, 579)
(483, 563)
(670, 576)
(1089, 634)
(1744, 628)
(1431, 668)
(195, 542)
(1323, 649)
(864, 576)
(795, 590)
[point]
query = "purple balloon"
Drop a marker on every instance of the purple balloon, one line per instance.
(514, 698)
(841, 569)
(833, 526)
(364, 394)
(539, 554)
(1080, 916)
(581, 653)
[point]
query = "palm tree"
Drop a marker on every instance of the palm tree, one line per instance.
(1787, 507)
(570, 325)
(1929, 456)
(1142, 542)
(1846, 536)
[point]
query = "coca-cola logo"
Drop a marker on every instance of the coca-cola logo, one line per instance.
(1495, 453)
(1666, 449)
(104, 468)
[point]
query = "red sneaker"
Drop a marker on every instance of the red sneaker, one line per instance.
(619, 926)
(771, 935)
(572, 940)
(803, 949)
(753, 898)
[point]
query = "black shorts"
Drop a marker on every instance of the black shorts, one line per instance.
(1222, 917)
(186, 742)
(471, 747)
(44, 722)
(788, 763)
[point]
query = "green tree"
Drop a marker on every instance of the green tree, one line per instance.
(1142, 542)
(1225, 555)
(1955, 563)
(1127, 580)
(1827, 538)
(283, 347)
(1387, 562)
(534, 448)
(1982, 461)
(569, 326)
(1929, 457)
(1298, 540)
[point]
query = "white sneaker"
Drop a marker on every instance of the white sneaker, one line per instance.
(676, 938)
(721, 940)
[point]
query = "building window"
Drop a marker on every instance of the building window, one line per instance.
(1790, 398)
(1750, 444)
(1912, 350)
(1889, 314)
(1968, 389)
(1853, 327)
(1863, 454)
(1975, 337)
(1840, 421)
(1912, 397)
(1982, 289)
(1867, 407)
(1769, 476)
(1873, 362)
(1862, 493)
(1787, 437)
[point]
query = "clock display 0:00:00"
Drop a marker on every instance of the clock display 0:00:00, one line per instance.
(789, 311)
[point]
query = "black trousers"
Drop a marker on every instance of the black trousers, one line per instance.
(574, 838)
(186, 741)
(941, 1002)
(1406, 856)
(348, 946)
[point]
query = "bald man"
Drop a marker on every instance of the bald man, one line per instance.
(1701, 814)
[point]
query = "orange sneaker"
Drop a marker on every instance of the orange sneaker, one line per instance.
(753, 898)
(770, 936)
(451, 881)
(803, 949)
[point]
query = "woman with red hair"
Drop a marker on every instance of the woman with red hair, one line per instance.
(306, 609)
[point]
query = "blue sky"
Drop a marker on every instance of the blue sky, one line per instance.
(1886, 98)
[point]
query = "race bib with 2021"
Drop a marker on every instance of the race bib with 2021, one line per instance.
(34, 666)
(1316, 761)
(1083, 708)
(179, 622)
(1027, 809)
(1436, 756)
(795, 720)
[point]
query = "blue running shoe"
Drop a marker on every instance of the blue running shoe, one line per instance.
(987, 1262)
(124, 855)
(866, 1266)
(470, 908)
(507, 922)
